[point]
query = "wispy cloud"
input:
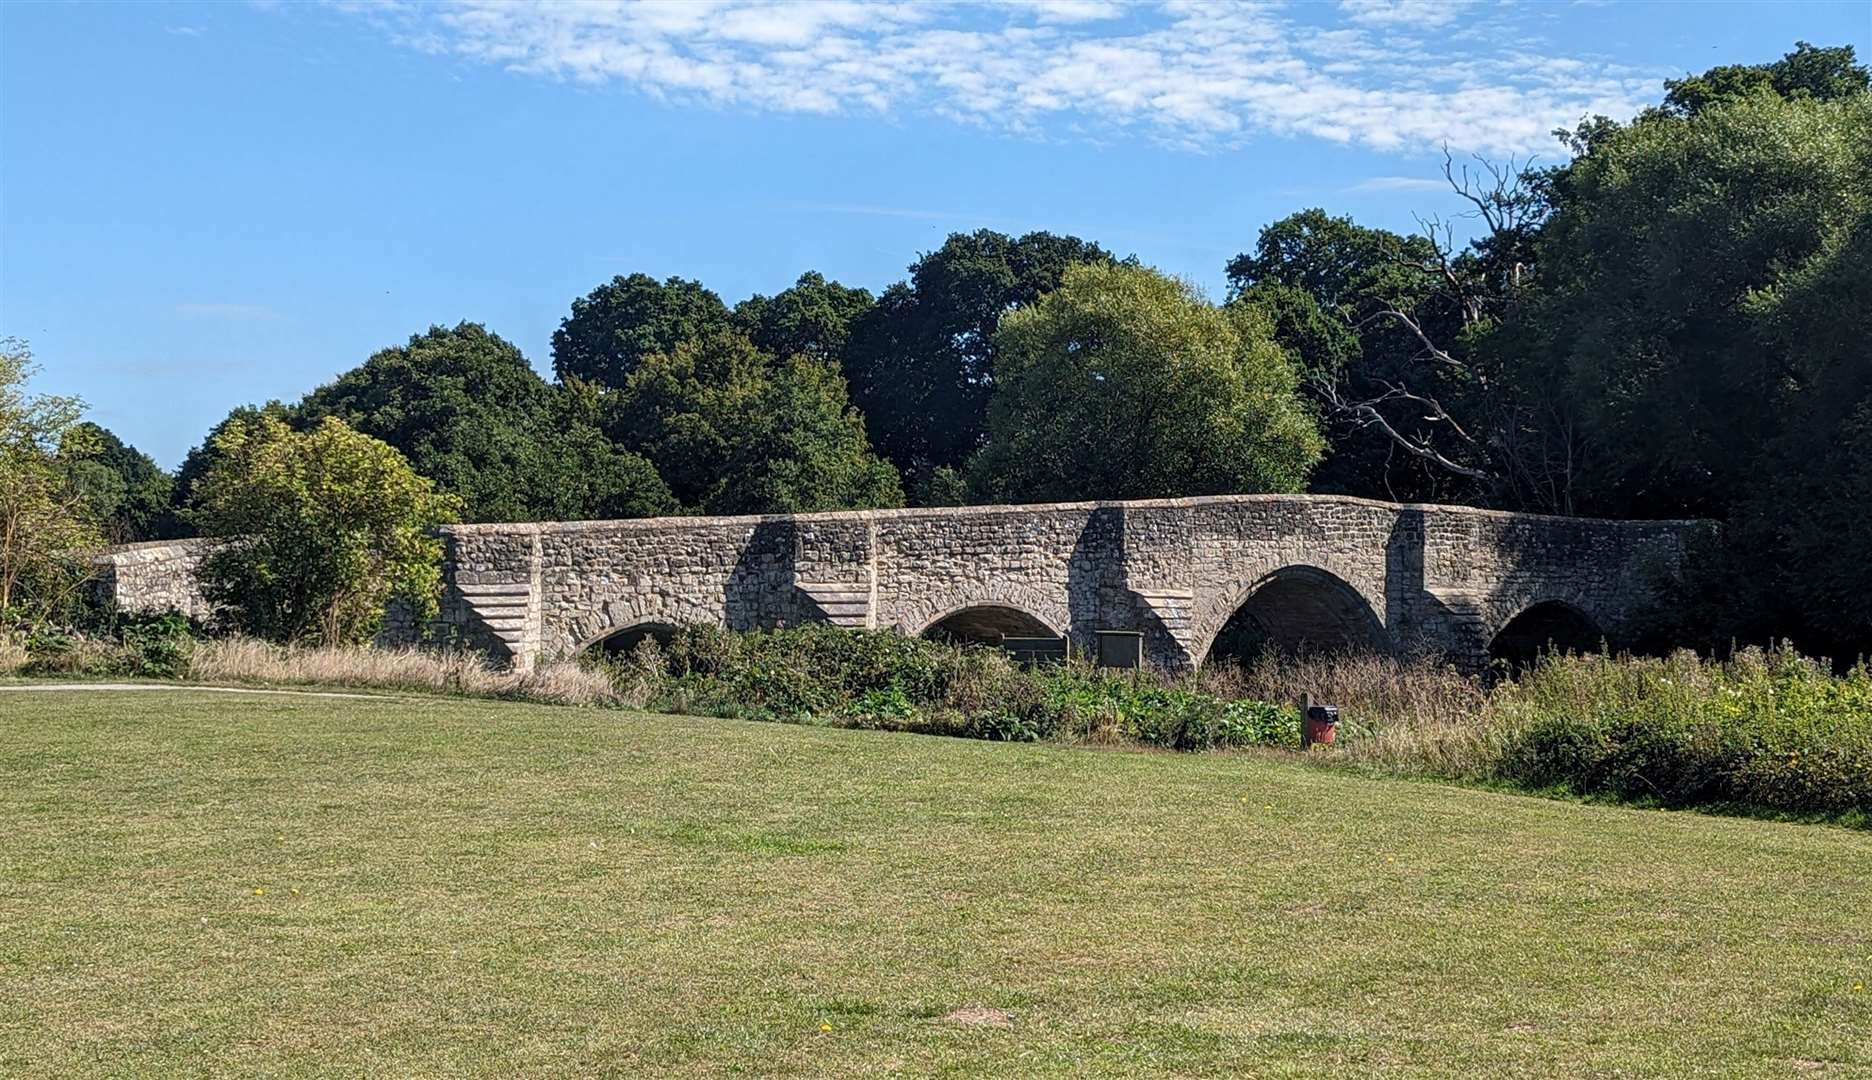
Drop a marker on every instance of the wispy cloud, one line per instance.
(1423, 14)
(231, 312)
(1190, 73)
(186, 31)
(1068, 11)
(1398, 183)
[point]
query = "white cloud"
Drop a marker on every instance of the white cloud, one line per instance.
(1398, 183)
(1072, 11)
(1188, 73)
(1423, 14)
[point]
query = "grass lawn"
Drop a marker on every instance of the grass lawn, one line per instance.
(195, 883)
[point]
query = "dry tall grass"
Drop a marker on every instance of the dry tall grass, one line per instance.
(250, 661)
(1412, 716)
(13, 655)
(1370, 691)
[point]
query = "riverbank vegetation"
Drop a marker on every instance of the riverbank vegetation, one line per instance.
(1763, 731)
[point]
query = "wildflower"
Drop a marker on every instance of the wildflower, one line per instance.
(825, 1027)
(1858, 988)
(259, 892)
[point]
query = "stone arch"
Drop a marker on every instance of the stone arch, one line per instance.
(632, 610)
(1296, 606)
(921, 614)
(1539, 625)
(1218, 596)
(625, 639)
(988, 623)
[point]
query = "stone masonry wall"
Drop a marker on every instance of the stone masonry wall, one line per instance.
(155, 577)
(1404, 578)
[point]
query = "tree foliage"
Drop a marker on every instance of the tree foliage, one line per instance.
(201, 458)
(1124, 383)
(735, 431)
(813, 318)
(1807, 73)
(127, 493)
(468, 411)
(1324, 284)
(322, 528)
(921, 361)
(616, 325)
(47, 534)
(1664, 269)
(801, 447)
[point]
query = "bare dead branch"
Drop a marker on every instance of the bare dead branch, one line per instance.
(1367, 414)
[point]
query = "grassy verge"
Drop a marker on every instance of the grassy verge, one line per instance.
(313, 886)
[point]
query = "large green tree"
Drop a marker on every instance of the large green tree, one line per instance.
(129, 495)
(611, 329)
(921, 361)
(1669, 246)
(1124, 383)
(1809, 72)
(323, 528)
(801, 447)
(813, 318)
(202, 456)
(734, 430)
(47, 534)
(1700, 315)
(468, 411)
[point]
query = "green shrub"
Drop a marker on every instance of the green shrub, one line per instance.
(158, 647)
(1766, 729)
(822, 674)
(149, 647)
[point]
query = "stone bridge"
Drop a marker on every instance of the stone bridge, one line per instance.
(1291, 570)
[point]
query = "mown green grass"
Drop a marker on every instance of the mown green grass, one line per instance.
(479, 888)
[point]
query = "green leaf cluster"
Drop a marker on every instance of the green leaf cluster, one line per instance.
(1125, 383)
(48, 527)
(735, 430)
(323, 528)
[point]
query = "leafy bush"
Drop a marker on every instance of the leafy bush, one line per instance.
(1765, 729)
(147, 647)
(158, 647)
(821, 674)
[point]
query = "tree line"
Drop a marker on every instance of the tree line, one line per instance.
(1672, 323)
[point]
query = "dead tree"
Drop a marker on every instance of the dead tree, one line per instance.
(1514, 452)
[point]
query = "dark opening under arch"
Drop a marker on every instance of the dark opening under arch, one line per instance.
(624, 642)
(987, 624)
(1545, 627)
(1296, 611)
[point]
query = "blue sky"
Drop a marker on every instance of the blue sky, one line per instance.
(204, 205)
